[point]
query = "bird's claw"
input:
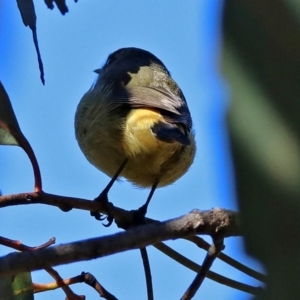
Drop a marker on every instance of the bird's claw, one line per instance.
(98, 216)
(110, 220)
(108, 206)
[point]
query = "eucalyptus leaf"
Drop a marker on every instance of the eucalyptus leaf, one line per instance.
(9, 126)
(11, 134)
(17, 287)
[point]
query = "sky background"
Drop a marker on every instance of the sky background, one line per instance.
(186, 36)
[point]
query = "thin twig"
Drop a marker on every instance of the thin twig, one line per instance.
(87, 278)
(211, 275)
(17, 245)
(147, 270)
(213, 252)
(62, 202)
(201, 243)
(44, 287)
(91, 280)
(67, 290)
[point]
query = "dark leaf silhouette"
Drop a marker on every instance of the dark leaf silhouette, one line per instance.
(11, 134)
(61, 5)
(27, 11)
(8, 121)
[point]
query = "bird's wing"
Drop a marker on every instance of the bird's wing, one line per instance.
(173, 107)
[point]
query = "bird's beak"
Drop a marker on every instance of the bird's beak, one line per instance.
(98, 71)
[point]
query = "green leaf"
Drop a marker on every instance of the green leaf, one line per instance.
(9, 126)
(17, 287)
(11, 134)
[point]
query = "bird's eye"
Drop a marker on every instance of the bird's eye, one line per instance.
(110, 59)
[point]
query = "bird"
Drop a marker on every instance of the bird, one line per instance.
(134, 123)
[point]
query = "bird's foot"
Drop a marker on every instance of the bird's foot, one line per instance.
(139, 215)
(108, 206)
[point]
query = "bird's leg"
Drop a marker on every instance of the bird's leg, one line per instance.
(142, 211)
(104, 199)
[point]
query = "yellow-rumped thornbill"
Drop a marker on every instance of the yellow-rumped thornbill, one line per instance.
(134, 122)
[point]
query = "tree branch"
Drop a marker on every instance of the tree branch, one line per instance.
(224, 222)
(229, 260)
(212, 254)
(62, 202)
(211, 275)
(147, 270)
(214, 219)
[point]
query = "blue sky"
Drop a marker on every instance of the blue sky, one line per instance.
(186, 37)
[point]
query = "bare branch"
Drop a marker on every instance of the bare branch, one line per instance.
(148, 276)
(211, 275)
(212, 254)
(21, 247)
(89, 279)
(229, 260)
(215, 220)
(67, 290)
(62, 202)
(206, 222)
